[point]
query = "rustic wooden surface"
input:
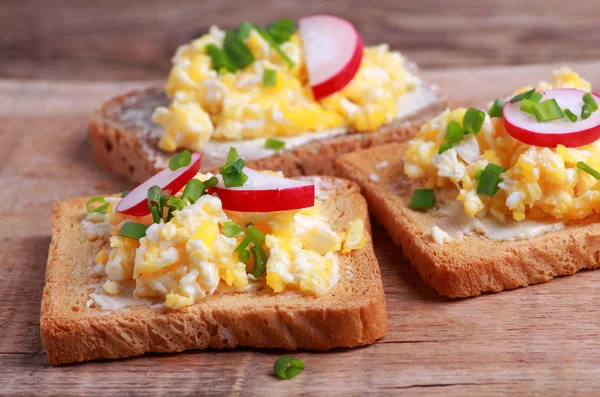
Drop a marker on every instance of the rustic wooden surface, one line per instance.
(113, 39)
(541, 340)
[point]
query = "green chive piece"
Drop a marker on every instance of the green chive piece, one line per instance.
(444, 147)
(489, 180)
(220, 60)
(182, 159)
(172, 202)
(287, 367)
(244, 255)
(237, 50)
(101, 208)
(570, 115)
(588, 99)
(212, 181)
(454, 132)
(527, 106)
(275, 144)
(232, 171)
(269, 39)
(259, 257)
(193, 190)
(586, 168)
(269, 78)
(422, 199)
(496, 109)
(125, 193)
(281, 30)
(256, 236)
(473, 121)
(477, 174)
(243, 245)
(547, 110)
(244, 29)
(535, 97)
(521, 96)
(586, 111)
(231, 229)
(133, 230)
(154, 199)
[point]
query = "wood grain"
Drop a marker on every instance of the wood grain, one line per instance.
(541, 340)
(112, 39)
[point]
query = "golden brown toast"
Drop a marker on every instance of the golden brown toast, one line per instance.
(353, 313)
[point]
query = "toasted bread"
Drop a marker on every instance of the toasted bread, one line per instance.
(474, 264)
(352, 314)
(124, 140)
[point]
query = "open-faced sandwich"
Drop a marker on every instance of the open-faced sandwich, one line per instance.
(288, 98)
(482, 202)
(190, 261)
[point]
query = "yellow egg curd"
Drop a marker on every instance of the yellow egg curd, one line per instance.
(183, 260)
(206, 104)
(538, 183)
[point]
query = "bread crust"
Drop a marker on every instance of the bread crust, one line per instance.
(123, 145)
(352, 314)
(475, 264)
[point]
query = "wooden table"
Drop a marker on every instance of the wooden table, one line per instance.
(541, 340)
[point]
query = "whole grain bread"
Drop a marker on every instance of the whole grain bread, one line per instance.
(474, 264)
(352, 314)
(124, 140)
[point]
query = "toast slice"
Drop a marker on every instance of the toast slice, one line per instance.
(124, 139)
(73, 330)
(475, 264)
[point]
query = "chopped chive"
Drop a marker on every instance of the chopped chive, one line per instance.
(125, 193)
(244, 255)
(521, 96)
(172, 202)
(586, 168)
(182, 159)
(548, 110)
(210, 182)
(570, 115)
(444, 147)
(287, 367)
(496, 109)
(101, 208)
(477, 174)
(281, 30)
(275, 144)
(237, 50)
(232, 171)
(259, 257)
(454, 132)
(269, 78)
(265, 35)
(220, 59)
(535, 97)
(586, 111)
(193, 190)
(133, 230)
(422, 199)
(243, 245)
(231, 229)
(244, 29)
(527, 106)
(154, 199)
(473, 121)
(256, 236)
(588, 99)
(489, 180)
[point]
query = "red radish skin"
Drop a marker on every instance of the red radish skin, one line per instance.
(334, 52)
(528, 130)
(265, 193)
(171, 182)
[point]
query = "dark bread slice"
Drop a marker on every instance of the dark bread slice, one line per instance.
(124, 140)
(475, 264)
(352, 314)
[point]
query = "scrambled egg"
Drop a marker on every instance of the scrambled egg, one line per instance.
(189, 257)
(206, 104)
(539, 182)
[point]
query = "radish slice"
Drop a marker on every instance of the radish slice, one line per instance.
(136, 201)
(527, 129)
(333, 49)
(265, 193)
